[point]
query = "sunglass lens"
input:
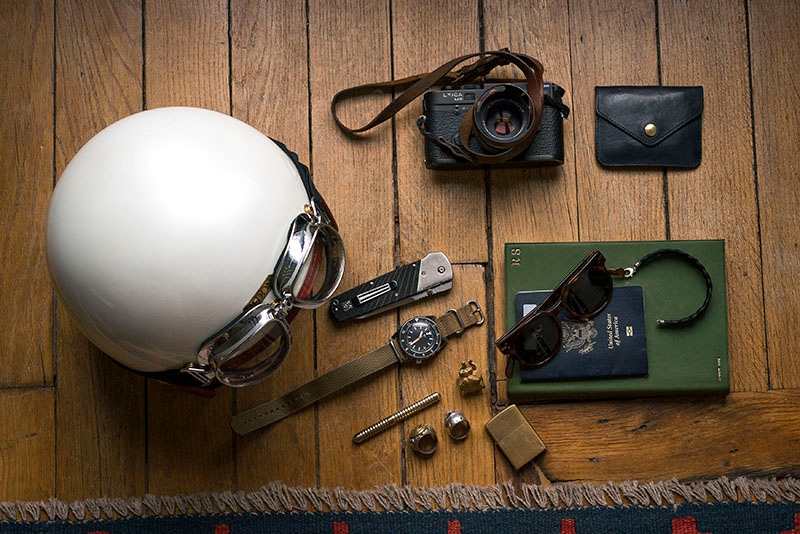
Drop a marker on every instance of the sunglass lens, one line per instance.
(590, 293)
(540, 342)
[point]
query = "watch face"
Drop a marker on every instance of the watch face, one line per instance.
(420, 338)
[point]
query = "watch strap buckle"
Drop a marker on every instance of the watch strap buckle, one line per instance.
(468, 315)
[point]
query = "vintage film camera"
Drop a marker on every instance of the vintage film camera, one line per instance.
(501, 114)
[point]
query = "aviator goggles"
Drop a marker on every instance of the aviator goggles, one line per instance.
(252, 346)
(585, 292)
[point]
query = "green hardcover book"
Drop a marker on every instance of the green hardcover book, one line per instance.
(688, 360)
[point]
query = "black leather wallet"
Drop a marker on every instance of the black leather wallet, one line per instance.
(648, 126)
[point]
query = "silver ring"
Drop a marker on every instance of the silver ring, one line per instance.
(457, 425)
(423, 439)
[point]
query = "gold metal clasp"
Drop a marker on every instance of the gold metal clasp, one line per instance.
(261, 294)
(650, 130)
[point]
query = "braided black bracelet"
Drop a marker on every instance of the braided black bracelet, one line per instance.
(694, 262)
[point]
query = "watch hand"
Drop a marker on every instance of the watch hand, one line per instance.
(412, 343)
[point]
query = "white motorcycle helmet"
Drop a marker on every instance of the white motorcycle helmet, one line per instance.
(182, 241)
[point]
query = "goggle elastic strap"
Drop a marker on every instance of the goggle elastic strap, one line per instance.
(320, 206)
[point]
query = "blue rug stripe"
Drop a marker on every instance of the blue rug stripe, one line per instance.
(720, 518)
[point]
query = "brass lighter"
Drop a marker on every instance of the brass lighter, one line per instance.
(515, 436)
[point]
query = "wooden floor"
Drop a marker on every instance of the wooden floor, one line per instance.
(74, 425)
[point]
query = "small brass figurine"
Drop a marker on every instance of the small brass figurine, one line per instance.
(469, 379)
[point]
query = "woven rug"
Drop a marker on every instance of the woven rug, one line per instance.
(740, 505)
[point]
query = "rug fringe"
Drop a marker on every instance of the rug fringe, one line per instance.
(277, 497)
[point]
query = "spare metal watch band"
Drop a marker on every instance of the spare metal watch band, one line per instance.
(451, 323)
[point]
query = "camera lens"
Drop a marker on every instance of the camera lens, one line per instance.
(502, 116)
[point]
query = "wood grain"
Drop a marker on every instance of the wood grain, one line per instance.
(454, 461)
(356, 178)
(660, 439)
(27, 463)
(530, 204)
(26, 154)
(189, 441)
(270, 92)
(446, 211)
(99, 405)
(76, 425)
(434, 207)
(774, 34)
(613, 204)
(702, 212)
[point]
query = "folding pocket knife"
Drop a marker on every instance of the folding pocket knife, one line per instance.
(431, 275)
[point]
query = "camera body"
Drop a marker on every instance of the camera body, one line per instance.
(446, 108)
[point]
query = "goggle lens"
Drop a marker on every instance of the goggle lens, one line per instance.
(251, 348)
(254, 345)
(309, 282)
(259, 357)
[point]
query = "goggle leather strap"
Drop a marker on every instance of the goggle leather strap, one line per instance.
(179, 379)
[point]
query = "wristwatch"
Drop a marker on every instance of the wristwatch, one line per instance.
(417, 340)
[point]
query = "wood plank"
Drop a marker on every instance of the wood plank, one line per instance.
(187, 54)
(190, 444)
(441, 211)
(613, 43)
(26, 155)
(464, 461)
(100, 405)
(270, 92)
(702, 212)
(27, 464)
(774, 39)
(98, 411)
(530, 204)
(355, 177)
(670, 438)
(434, 206)
(28, 444)
(537, 204)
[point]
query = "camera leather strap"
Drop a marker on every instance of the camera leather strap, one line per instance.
(415, 86)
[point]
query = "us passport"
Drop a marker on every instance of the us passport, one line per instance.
(613, 344)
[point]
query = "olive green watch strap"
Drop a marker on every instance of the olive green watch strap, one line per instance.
(451, 323)
(456, 321)
(317, 389)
